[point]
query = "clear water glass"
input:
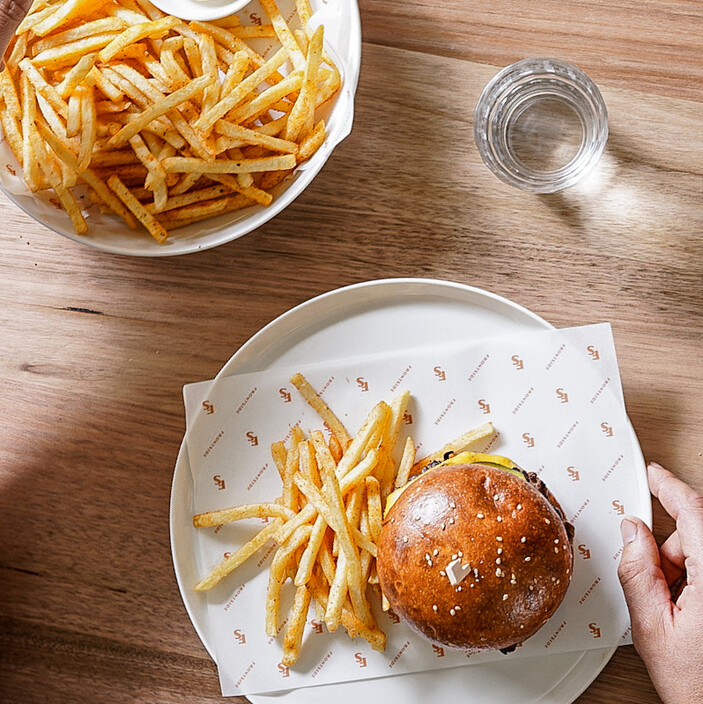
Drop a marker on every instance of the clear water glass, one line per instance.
(541, 125)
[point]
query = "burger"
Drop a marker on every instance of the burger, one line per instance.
(475, 553)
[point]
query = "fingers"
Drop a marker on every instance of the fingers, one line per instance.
(685, 506)
(672, 558)
(643, 582)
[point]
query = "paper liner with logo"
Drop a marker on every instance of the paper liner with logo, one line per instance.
(555, 398)
(109, 233)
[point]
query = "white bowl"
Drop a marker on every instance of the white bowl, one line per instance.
(202, 10)
(110, 234)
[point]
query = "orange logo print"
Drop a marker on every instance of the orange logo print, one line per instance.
(393, 616)
(285, 395)
(360, 659)
(439, 651)
(484, 405)
(618, 507)
(255, 19)
(316, 626)
(517, 362)
(239, 636)
(607, 429)
(593, 628)
(219, 482)
(528, 440)
(562, 395)
(253, 440)
(285, 672)
(440, 374)
(362, 383)
(573, 473)
(208, 407)
(593, 352)
(584, 552)
(407, 418)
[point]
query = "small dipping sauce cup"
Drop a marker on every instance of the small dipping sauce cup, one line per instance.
(541, 125)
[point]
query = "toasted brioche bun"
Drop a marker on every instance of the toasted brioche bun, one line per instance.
(510, 535)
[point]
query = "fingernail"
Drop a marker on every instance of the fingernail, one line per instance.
(628, 529)
(654, 465)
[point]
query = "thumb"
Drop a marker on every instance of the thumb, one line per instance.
(643, 581)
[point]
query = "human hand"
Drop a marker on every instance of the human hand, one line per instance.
(12, 12)
(667, 631)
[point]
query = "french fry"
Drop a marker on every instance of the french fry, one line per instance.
(75, 76)
(309, 557)
(9, 92)
(52, 119)
(278, 453)
(308, 462)
(35, 15)
(160, 108)
(323, 410)
(156, 180)
(29, 162)
(238, 513)
(13, 133)
(47, 165)
(253, 192)
(82, 31)
(133, 34)
(277, 575)
(249, 136)
(253, 31)
(64, 13)
(375, 637)
(312, 142)
(68, 54)
(456, 445)
(41, 87)
(73, 123)
(184, 164)
(232, 99)
(90, 177)
(406, 463)
(209, 67)
(285, 36)
(156, 229)
(293, 638)
(375, 509)
(88, 130)
(302, 114)
(181, 217)
(236, 559)
(268, 99)
(103, 84)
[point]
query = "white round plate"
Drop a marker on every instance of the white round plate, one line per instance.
(380, 316)
(202, 10)
(109, 234)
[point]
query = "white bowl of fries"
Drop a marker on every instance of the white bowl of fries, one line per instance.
(139, 133)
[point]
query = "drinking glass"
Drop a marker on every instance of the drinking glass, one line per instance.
(541, 125)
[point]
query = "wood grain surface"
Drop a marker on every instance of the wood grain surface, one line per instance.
(94, 348)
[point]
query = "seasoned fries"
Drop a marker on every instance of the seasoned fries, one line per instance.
(188, 117)
(327, 520)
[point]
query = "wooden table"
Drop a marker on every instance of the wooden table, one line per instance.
(95, 348)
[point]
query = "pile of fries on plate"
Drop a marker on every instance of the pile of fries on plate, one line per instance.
(165, 122)
(328, 518)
